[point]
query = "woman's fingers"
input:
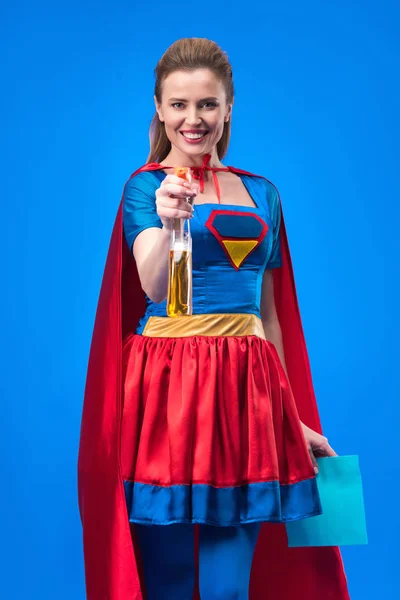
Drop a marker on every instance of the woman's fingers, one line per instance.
(174, 202)
(173, 185)
(324, 449)
(317, 444)
(174, 208)
(175, 180)
(174, 199)
(313, 459)
(175, 190)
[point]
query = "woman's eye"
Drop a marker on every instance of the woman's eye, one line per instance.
(180, 105)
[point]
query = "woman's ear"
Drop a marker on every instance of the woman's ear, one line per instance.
(228, 113)
(158, 109)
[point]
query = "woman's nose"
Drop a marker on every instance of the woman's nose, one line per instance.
(192, 117)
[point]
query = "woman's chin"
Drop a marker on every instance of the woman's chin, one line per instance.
(195, 150)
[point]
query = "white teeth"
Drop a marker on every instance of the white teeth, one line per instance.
(193, 136)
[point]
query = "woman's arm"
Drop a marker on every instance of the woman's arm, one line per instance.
(151, 250)
(317, 444)
(269, 316)
(151, 246)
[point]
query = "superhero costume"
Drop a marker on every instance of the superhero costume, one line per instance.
(187, 474)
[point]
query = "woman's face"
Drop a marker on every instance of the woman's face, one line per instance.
(194, 109)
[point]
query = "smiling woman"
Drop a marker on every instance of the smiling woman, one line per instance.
(206, 66)
(197, 430)
(189, 119)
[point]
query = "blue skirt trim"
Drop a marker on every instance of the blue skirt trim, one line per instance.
(229, 506)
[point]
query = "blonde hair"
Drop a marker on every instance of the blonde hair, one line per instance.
(189, 54)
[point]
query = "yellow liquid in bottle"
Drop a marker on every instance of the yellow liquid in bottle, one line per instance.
(179, 301)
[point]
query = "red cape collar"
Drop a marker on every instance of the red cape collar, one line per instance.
(199, 172)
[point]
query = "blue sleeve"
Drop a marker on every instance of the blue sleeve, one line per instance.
(139, 206)
(275, 259)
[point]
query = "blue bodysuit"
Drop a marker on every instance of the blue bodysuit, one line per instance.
(219, 232)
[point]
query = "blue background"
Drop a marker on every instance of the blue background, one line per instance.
(317, 99)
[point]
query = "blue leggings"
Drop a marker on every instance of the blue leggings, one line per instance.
(225, 557)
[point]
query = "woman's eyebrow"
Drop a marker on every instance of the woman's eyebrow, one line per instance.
(184, 100)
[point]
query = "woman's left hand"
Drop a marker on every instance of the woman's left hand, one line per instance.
(317, 445)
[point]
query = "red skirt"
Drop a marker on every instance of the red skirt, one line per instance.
(211, 433)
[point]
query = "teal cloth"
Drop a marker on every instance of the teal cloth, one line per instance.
(343, 520)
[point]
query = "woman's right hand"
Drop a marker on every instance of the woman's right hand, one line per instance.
(171, 200)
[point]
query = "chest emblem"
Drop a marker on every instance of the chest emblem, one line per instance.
(239, 233)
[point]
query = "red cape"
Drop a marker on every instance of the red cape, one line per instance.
(111, 567)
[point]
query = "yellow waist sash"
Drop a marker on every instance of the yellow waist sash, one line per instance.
(210, 325)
